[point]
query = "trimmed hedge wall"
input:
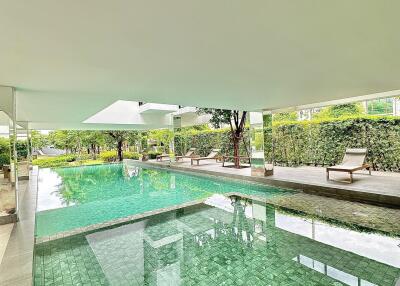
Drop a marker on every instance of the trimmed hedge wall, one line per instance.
(207, 140)
(322, 143)
(316, 143)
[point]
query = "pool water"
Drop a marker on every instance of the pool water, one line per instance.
(76, 197)
(223, 241)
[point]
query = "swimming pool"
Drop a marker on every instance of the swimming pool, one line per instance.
(77, 197)
(223, 241)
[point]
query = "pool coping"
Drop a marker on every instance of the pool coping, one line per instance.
(348, 194)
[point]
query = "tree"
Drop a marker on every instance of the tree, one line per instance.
(92, 140)
(134, 139)
(38, 140)
(70, 140)
(162, 136)
(118, 137)
(235, 119)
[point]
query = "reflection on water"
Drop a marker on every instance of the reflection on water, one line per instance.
(336, 274)
(227, 240)
(70, 198)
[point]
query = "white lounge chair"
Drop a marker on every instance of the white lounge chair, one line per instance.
(214, 155)
(354, 160)
(189, 154)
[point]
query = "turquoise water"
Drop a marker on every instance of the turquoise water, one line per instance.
(225, 241)
(76, 197)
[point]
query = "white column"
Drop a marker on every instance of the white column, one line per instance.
(171, 146)
(14, 137)
(257, 143)
(268, 144)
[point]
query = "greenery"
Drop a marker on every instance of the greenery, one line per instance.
(285, 116)
(323, 142)
(236, 120)
(153, 154)
(319, 142)
(162, 137)
(380, 106)
(112, 156)
(75, 160)
(338, 111)
(38, 140)
(4, 151)
(4, 159)
(4, 145)
(205, 141)
(47, 162)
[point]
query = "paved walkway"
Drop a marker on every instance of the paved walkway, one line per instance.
(16, 264)
(380, 188)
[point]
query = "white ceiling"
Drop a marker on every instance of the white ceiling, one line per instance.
(69, 59)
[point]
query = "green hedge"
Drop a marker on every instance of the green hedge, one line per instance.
(4, 159)
(207, 140)
(112, 156)
(153, 154)
(54, 161)
(322, 143)
(316, 143)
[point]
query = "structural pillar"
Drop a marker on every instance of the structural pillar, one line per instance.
(268, 144)
(14, 154)
(261, 144)
(174, 122)
(257, 143)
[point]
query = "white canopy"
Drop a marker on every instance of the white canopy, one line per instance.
(71, 59)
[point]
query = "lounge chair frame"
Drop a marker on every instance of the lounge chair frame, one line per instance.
(215, 157)
(191, 152)
(160, 157)
(348, 165)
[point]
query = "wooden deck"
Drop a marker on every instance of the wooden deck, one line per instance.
(381, 188)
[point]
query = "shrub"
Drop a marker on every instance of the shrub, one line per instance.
(131, 155)
(4, 145)
(4, 159)
(112, 156)
(58, 161)
(109, 156)
(153, 154)
(22, 149)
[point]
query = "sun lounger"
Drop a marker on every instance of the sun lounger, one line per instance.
(354, 160)
(161, 157)
(214, 155)
(189, 154)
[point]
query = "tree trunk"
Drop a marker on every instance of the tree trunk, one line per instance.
(120, 157)
(94, 151)
(236, 141)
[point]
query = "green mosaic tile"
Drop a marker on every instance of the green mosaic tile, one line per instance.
(244, 243)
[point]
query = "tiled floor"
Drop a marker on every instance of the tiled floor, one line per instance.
(7, 196)
(16, 265)
(5, 232)
(199, 246)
